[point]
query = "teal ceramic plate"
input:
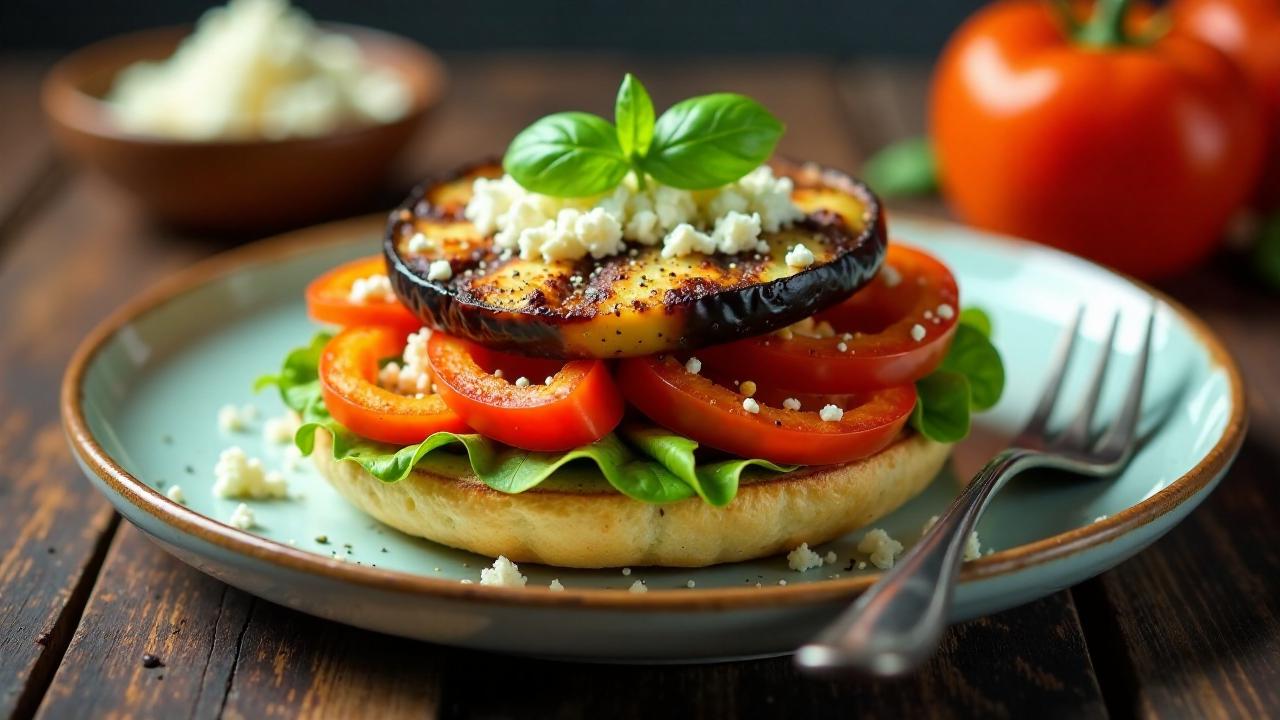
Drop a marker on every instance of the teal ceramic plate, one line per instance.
(141, 396)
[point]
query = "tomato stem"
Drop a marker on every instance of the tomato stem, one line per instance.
(1106, 27)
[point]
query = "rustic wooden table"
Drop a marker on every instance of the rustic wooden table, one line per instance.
(1191, 627)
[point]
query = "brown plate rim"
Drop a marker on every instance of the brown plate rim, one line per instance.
(184, 520)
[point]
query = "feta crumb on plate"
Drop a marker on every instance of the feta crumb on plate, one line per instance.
(242, 517)
(280, 430)
(881, 549)
(556, 586)
(236, 475)
(503, 573)
(175, 494)
(802, 558)
(232, 418)
(638, 587)
(972, 546)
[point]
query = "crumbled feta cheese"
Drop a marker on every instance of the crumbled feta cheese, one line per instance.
(465, 581)
(808, 327)
(257, 69)
(279, 430)
(237, 475)
(799, 257)
(691, 584)
(747, 388)
(782, 582)
(750, 405)
(522, 382)
(242, 517)
(175, 494)
(420, 243)
(686, 240)
(550, 379)
(830, 558)
(626, 571)
(946, 312)
(831, 413)
(292, 458)
(540, 226)
(881, 549)
(375, 288)
(693, 365)
(736, 232)
(412, 375)
(791, 404)
(917, 332)
(504, 573)
(802, 558)
(556, 586)
(842, 347)
(439, 270)
(235, 419)
(638, 587)
(972, 546)
(891, 275)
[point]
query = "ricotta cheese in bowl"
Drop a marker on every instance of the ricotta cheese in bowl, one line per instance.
(257, 69)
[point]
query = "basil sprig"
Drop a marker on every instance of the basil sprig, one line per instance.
(699, 143)
(970, 378)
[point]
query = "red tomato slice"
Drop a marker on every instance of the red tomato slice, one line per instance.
(580, 405)
(348, 369)
(328, 299)
(914, 290)
(695, 406)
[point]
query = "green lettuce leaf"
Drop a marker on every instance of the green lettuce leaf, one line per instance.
(716, 483)
(970, 378)
(658, 467)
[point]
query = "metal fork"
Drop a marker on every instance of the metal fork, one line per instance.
(896, 625)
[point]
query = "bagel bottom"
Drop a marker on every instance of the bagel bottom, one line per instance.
(580, 521)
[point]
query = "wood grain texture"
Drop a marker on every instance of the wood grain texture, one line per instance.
(1024, 662)
(86, 252)
(30, 171)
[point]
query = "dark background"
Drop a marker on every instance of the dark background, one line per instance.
(841, 28)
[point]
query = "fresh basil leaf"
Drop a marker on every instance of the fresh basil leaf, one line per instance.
(942, 406)
(903, 169)
(977, 319)
(971, 354)
(716, 483)
(570, 154)
(710, 140)
(633, 114)
(1266, 254)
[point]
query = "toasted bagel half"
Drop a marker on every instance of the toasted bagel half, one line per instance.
(575, 519)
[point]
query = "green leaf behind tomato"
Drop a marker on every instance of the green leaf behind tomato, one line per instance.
(903, 169)
(942, 406)
(569, 154)
(710, 140)
(973, 356)
(970, 378)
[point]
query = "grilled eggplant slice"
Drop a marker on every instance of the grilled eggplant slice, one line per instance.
(634, 304)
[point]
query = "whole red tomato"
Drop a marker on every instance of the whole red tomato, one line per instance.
(1249, 32)
(1134, 153)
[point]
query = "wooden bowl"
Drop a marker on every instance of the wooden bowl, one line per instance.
(233, 185)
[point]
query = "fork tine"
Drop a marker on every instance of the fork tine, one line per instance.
(1077, 433)
(1040, 418)
(1119, 437)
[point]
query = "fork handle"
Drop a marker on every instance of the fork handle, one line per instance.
(896, 625)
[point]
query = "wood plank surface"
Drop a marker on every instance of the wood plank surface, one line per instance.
(30, 171)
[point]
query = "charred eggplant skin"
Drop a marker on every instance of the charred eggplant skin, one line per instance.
(707, 301)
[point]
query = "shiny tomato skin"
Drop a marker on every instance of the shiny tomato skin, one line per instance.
(348, 371)
(580, 405)
(328, 299)
(1248, 31)
(1134, 156)
(881, 318)
(661, 388)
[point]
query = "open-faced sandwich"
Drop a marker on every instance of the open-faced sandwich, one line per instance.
(638, 343)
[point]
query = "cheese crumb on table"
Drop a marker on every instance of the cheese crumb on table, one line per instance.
(802, 558)
(242, 517)
(175, 494)
(503, 573)
(881, 549)
(638, 587)
(236, 475)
